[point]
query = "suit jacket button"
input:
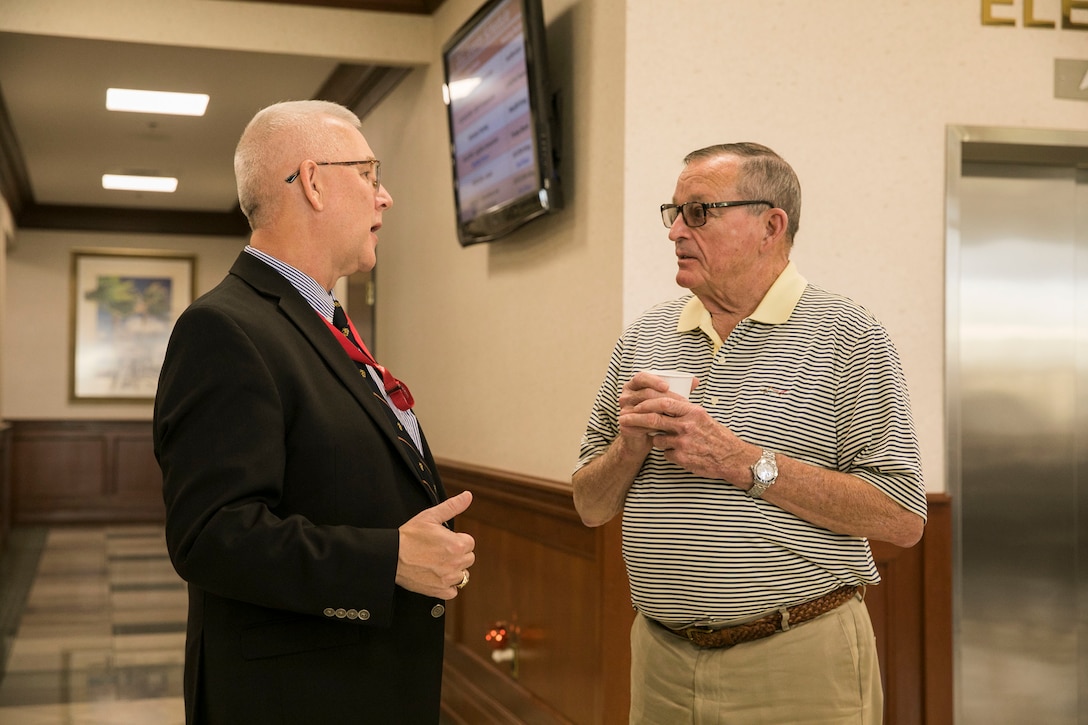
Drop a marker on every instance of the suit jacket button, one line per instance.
(330, 612)
(437, 611)
(364, 615)
(341, 613)
(353, 614)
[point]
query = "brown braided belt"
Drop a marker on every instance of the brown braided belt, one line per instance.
(765, 626)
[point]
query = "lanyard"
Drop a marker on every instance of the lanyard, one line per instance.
(356, 350)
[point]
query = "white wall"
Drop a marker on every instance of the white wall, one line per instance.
(504, 344)
(35, 310)
(857, 97)
(37, 317)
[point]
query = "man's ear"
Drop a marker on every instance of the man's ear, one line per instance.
(312, 188)
(777, 224)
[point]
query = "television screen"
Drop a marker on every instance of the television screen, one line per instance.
(501, 121)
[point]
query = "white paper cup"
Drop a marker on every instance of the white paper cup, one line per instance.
(679, 383)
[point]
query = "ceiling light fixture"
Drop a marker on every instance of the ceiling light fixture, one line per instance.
(176, 104)
(123, 182)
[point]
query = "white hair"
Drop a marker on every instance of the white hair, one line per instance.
(276, 135)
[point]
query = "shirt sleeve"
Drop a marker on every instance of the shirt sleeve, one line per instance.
(874, 424)
(603, 425)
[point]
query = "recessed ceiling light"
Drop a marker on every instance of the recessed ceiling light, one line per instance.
(124, 182)
(177, 104)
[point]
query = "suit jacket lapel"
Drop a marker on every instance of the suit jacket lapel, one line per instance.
(271, 283)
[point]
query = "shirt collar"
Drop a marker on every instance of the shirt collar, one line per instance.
(320, 299)
(774, 309)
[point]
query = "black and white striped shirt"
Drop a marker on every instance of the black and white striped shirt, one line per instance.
(809, 374)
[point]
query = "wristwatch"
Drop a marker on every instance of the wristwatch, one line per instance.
(764, 474)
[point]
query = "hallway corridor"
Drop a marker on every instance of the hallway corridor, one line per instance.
(93, 628)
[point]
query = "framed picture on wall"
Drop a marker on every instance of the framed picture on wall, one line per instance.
(124, 304)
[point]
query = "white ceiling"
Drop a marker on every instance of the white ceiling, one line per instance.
(55, 91)
(57, 138)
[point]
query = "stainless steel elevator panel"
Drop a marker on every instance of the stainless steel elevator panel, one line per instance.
(1081, 215)
(1022, 498)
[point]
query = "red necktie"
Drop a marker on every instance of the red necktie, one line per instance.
(353, 344)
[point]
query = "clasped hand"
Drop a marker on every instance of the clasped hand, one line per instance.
(652, 417)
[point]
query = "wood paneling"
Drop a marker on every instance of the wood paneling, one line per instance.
(565, 586)
(417, 7)
(936, 601)
(84, 471)
(5, 485)
(911, 611)
(538, 569)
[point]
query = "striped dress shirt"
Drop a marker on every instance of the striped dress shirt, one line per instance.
(322, 301)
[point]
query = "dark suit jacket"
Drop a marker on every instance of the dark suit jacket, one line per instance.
(284, 487)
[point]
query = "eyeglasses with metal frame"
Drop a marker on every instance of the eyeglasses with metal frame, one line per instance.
(694, 212)
(376, 181)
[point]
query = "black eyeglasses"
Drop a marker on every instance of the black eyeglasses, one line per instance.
(377, 180)
(695, 211)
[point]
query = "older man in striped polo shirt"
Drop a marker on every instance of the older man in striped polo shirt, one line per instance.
(747, 509)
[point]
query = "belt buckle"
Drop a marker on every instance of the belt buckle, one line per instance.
(695, 630)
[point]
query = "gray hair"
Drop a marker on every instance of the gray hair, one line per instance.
(763, 175)
(277, 136)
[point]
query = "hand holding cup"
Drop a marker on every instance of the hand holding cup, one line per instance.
(679, 383)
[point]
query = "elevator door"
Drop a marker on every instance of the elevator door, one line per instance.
(1022, 528)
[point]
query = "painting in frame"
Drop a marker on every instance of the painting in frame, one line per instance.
(124, 304)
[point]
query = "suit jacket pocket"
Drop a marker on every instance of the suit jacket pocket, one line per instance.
(291, 636)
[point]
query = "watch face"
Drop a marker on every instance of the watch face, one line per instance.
(764, 470)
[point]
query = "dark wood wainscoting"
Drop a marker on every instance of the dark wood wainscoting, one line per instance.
(540, 573)
(84, 471)
(5, 485)
(564, 588)
(911, 610)
(560, 585)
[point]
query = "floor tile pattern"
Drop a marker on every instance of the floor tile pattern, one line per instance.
(101, 633)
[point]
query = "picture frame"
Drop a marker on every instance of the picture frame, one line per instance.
(123, 307)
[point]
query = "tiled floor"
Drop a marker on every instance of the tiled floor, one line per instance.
(97, 635)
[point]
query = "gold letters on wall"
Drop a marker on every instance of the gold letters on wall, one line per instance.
(1030, 14)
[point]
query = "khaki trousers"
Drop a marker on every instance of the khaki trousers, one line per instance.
(823, 671)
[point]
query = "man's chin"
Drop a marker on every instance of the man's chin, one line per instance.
(366, 263)
(685, 280)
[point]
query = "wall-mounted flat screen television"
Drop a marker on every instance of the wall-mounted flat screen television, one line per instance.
(502, 121)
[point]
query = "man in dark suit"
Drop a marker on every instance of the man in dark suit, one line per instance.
(303, 506)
